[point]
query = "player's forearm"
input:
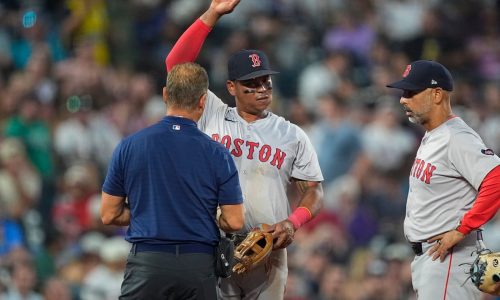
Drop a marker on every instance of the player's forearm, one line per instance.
(310, 204)
(188, 46)
(486, 205)
(312, 196)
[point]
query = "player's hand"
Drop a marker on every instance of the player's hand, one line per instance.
(444, 242)
(217, 9)
(283, 233)
(222, 7)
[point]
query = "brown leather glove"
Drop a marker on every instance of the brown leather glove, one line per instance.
(253, 250)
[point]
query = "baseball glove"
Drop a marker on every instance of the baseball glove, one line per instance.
(253, 250)
(485, 272)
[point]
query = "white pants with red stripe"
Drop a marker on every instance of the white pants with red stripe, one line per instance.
(447, 280)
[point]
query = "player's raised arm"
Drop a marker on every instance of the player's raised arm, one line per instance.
(188, 46)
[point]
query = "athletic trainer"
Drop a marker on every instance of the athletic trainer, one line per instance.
(166, 182)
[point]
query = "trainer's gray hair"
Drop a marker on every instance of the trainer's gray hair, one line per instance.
(186, 83)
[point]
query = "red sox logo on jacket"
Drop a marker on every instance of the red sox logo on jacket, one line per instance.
(255, 60)
(264, 153)
(418, 170)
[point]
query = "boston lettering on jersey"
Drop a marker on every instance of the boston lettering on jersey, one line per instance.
(265, 152)
(418, 170)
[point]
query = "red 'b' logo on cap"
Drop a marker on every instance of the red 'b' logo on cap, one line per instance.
(255, 60)
(407, 71)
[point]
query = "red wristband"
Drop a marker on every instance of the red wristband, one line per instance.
(300, 216)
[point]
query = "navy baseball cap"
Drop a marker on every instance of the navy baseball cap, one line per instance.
(248, 64)
(423, 74)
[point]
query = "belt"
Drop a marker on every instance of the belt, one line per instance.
(237, 238)
(417, 248)
(173, 248)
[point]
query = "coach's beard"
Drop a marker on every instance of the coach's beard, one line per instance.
(416, 119)
(413, 117)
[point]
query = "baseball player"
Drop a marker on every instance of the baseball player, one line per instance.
(454, 186)
(269, 152)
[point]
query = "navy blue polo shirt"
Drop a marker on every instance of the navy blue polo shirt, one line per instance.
(174, 176)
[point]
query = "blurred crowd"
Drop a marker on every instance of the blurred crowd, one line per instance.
(76, 76)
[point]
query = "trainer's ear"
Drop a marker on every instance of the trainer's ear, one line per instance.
(231, 87)
(165, 96)
(203, 100)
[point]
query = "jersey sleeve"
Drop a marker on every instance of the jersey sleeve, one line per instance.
(188, 46)
(306, 165)
(213, 107)
(470, 157)
(114, 184)
(486, 205)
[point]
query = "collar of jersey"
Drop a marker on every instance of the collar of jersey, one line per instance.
(232, 115)
(179, 120)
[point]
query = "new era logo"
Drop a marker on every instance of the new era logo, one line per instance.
(176, 127)
(434, 81)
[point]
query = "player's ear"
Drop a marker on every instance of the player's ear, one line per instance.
(231, 87)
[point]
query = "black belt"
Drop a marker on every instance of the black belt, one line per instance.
(173, 248)
(417, 248)
(237, 238)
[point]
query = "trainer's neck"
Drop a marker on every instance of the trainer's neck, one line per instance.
(182, 113)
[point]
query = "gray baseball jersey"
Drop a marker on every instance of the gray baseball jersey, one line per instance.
(267, 152)
(449, 167)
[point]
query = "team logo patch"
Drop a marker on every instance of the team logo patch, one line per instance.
(255, 60)
(487, 151)
(176, 127)
(407, 71)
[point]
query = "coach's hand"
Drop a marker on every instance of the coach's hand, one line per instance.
(444, 242)
(282, 234)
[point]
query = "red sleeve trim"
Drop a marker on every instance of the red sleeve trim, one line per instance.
(486, 205)
(188, 46)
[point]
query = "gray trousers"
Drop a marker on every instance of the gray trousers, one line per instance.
(158, 275)
(445, 280)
